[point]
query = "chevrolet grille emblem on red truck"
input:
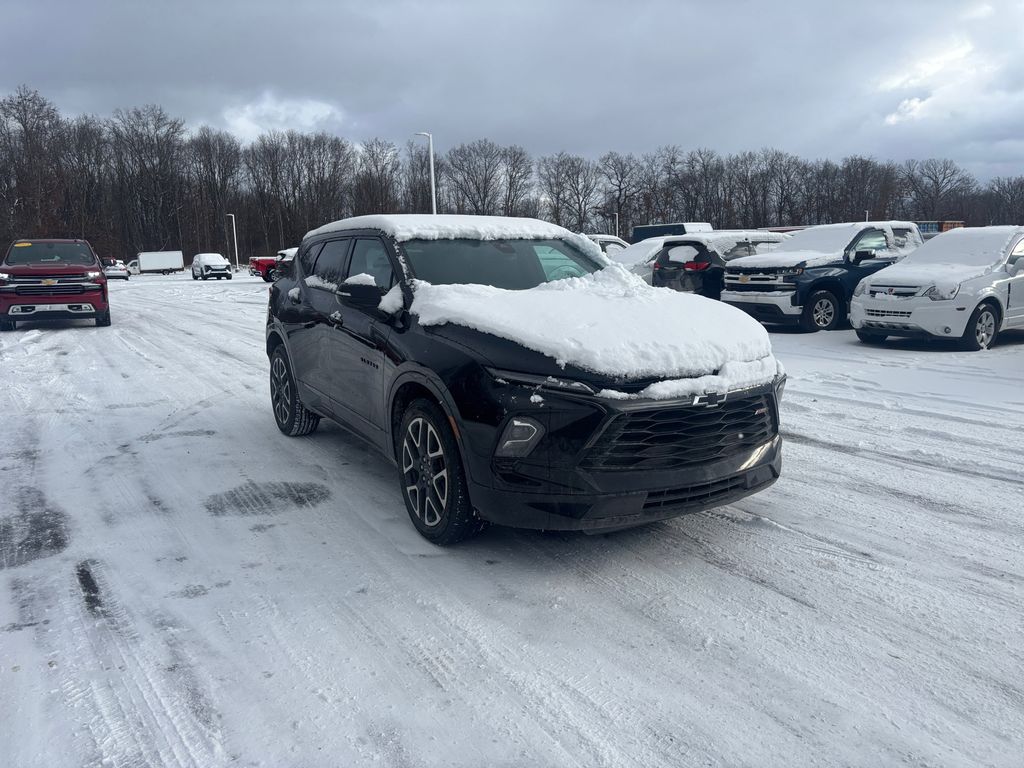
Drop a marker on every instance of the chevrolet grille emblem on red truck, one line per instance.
(49, 282)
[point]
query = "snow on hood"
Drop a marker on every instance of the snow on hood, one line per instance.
(611, 322)
(787, 259)
(941, 275)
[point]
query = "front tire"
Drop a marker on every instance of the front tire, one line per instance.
(431, 477)
(195, 276)
(982, 328)
(871, 338)
(8, 325)
(292, 417)
(821, 312)
(103, 321)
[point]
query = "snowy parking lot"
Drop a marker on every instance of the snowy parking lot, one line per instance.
(180, 584)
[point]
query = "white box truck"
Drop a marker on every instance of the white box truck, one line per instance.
(164, 262)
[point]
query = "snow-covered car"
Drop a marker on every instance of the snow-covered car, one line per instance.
(508, 394)
(808, 280)
(207, 265)
(114, 269)
(696, 262)
(609, 244)
(965, 284)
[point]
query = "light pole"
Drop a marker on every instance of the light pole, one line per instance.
(234, 236)
(433, 191)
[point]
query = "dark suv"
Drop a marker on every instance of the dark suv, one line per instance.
(52, 280)
(484, 428)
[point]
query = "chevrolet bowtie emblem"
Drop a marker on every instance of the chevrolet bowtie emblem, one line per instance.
(710, 400)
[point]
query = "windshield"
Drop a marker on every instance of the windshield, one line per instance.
(509, 264)
(978, 247)
(52, 254)
(830, 238)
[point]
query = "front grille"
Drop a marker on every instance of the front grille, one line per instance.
(703, 494)
(36, 277)
(886, 313)
(677, 437)
(49, 290)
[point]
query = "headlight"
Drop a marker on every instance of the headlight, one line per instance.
(780, 387)
(792, 271)
(92, 275)
(861, 287)
(546, 382)
(943, 293)
(5, 275)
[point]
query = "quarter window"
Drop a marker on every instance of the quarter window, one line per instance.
(308, 258)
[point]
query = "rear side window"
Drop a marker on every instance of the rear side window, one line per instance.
(56, 254)
(370, 257)
(308, 258)
(330, 264)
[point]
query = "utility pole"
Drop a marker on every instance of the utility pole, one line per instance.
(433, 190)
(234, 236)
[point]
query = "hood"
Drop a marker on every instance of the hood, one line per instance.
(787, 259)
(609, 324)
(49, 269)
(909, 274)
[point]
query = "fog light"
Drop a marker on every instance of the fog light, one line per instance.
(520, 436)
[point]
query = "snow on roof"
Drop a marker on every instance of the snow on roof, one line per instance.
(602, 322)
(415, 226)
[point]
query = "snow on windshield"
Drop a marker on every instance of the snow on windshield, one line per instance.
(974, 246)
(602, 322)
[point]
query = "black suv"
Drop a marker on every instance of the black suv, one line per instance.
(483, 428)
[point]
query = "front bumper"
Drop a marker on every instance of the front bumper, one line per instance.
(669, 494)
(35, 302)
(913, 316)
(607, 464)
(769, 306)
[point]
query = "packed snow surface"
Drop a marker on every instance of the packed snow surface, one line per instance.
(183, 585)
(609, 322)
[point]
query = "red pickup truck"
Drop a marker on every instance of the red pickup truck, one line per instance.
(52, 280)
(268, 267)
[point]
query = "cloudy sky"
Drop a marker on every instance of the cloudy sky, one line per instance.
(889, 78)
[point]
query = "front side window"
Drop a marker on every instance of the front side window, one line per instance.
(54, 254)
(330, 264)
(871, 241)
(509, 264)
(370, 257)
(1017, 254)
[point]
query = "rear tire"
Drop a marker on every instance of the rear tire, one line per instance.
(205, 278)
(292, 417)
(871, 338)
(982, 328)
(103, 321)
(431, 478)
(821, 312)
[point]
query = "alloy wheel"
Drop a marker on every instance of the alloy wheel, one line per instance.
(280, 390)
(824, 313)
(425, 469)
(985, 328)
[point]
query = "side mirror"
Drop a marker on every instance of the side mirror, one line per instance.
(1016, 268)
(359, 295)
(860, 256)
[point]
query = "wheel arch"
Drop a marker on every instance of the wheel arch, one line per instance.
(410, 386)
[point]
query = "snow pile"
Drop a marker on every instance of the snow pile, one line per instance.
(392, 301)
(361, 279)
(611, 322)
(314, 281)
(294, 293)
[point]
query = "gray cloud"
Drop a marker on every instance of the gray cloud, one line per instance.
(910, 79)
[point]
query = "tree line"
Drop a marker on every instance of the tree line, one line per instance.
(139, 180)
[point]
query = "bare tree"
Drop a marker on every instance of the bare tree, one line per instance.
(475, 176)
